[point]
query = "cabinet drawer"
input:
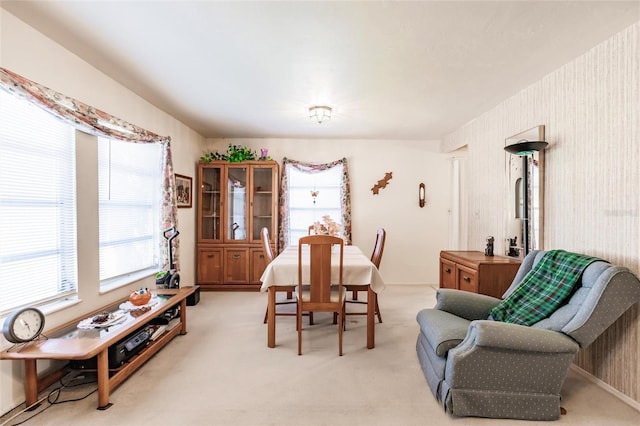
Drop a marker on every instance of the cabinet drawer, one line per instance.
(236, 266)
(209, 266)
(447, 274)
(467, 279)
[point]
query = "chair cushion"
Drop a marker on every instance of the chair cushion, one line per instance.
(335, 296)
(442, 329)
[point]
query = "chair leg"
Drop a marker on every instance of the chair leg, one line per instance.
(344, 319)
(266, 311)
(340, 327)
(310, 314)
(299, 327)
(377, 311)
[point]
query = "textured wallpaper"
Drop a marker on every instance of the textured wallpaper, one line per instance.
(591, 112)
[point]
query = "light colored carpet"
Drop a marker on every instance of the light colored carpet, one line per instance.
(222, 373)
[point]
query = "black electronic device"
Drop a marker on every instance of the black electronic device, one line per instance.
(166, 317)
(138, 341)
(119, 352)
(194, 297)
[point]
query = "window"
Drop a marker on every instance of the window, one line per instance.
(38, 254)
(304, 208)
(130, 190)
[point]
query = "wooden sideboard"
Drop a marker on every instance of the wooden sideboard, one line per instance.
(67, 342)
(473, 271)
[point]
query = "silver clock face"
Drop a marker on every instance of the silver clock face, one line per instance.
(23, 325)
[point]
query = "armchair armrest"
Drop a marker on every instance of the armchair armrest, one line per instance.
(470, 306)
(515, 362)
(515, 337)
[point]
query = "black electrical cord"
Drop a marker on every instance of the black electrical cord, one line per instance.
(58, 392)
(54, 395)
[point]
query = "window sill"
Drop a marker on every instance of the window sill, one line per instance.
(60, 305)
(112, 284)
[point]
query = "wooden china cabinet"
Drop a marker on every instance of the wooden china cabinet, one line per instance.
(235, 201)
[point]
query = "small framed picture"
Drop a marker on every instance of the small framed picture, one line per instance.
(183, 190)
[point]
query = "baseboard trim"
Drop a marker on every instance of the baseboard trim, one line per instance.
(605, 386)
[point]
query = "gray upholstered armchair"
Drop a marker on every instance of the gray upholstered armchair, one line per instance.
(479, 367)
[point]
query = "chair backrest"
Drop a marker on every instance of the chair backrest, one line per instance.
(378, 247)
(603, 294)
(266, 246)
(319, 266)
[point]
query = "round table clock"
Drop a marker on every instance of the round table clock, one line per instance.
(23, 325)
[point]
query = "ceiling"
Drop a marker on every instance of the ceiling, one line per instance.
(389, 69)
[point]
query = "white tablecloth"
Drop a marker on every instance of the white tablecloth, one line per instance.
(357, 269)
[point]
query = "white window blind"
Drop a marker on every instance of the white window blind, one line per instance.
(302, 209)
(38, 255)
(130, 189)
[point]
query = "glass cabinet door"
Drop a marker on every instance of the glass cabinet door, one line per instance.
(210, 204)
(262, 203)
(237, 201)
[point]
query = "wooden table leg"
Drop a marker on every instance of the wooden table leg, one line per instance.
(103, 380)
(183, 316)
(271, 318)
(371, 316)
(30, 382)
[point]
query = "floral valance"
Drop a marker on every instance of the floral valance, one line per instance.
(311, 168)
(96, 122)
(305, 167)
(78, 114)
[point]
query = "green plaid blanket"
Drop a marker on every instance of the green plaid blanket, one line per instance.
(543, 289)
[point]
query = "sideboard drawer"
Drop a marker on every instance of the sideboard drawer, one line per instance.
(467, 279)
(447, 274)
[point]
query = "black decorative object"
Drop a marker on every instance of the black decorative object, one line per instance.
(514, 251)
(489, 250)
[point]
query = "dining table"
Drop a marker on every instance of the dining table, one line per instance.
(357, 270)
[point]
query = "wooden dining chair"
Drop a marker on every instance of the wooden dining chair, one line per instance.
(316, 293)
(289, 289)
(312, 230)
(376, 258)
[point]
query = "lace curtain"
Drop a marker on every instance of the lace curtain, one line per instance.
(96, 122)
(311, 168)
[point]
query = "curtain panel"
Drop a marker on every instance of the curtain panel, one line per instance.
(96, 122)
(310, 168)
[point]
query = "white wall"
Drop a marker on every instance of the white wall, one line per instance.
(591, 112)
(32, 55)
(415, 235)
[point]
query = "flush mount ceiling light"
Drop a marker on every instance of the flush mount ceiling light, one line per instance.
(320, 113)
